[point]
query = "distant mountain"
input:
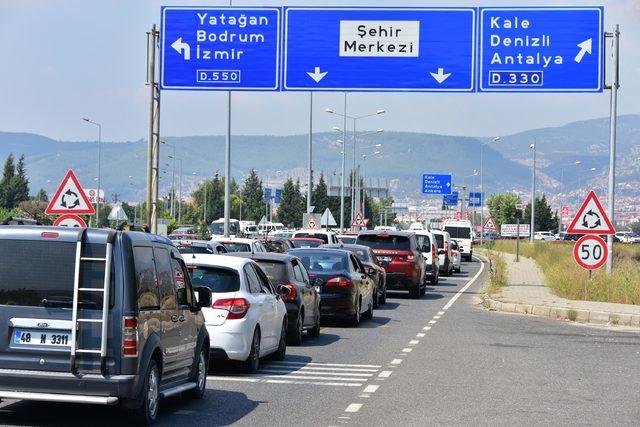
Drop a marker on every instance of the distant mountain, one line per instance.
(405, 156)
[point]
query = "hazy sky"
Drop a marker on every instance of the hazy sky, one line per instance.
(62, 60)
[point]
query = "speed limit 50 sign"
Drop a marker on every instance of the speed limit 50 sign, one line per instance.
(590, 252)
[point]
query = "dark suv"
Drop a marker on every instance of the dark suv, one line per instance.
(98, 316)
(400, 257)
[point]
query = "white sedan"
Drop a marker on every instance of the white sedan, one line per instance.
(544, 236)
(247, 319)
(237, 244)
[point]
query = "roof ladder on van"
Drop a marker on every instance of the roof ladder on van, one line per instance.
(77, 290)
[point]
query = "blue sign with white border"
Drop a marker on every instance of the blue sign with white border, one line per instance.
(475, 200)
(218, 48)
(451, 200)
(266, 196)
(379, 49)
(278, 197)
(541, 49)
(436, 184)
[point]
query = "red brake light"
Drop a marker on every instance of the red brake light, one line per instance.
(410, 257)
(292, 295)
(129, 336)
(339, 281)
(50, 235)
(237, 307)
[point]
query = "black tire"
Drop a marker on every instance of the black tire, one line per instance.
(414, 293)
(295, 336)
(281, 353)
(252, 364)
(423, 289)
(383, 299)
(376, 298)
(315, 331)
(355, 319)
(147, 412)
(200, 376)
(368, 315)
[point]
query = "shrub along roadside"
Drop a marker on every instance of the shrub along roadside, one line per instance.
(568, 280)
(498, 276)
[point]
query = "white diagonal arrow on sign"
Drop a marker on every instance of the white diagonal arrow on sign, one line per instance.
(585, 47)
(440, 76)
(317, 75)
(180, 46)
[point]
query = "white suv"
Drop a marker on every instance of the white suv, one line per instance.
(460, 230)
(247, 319)
(428, 245)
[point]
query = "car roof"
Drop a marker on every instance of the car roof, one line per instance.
(314, 231)
(210, 260)
(265, 256)
(313, 239)
(321, 250)
(233, 239)
(390, 233)
(66, 234)
(346, 246)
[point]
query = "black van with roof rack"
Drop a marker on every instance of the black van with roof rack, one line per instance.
(98, 316)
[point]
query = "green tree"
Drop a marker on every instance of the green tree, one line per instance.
(252, 192)
(6, 193)
(319, 196)
(291, 208)
(41, 196)
(214, 190)
(502, 208)
(635, 227)
(20, 183)
(546, 219)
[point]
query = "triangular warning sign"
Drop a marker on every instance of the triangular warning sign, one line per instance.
(70, 198)
(591, 218)
(489, 225)
(358, 221)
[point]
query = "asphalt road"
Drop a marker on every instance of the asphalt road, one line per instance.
(438, 360)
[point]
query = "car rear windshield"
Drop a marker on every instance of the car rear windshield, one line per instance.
(323, 262)
(219, 280)
(195, 250)
(305, 243)
(458, 232)
(237, 247)
(38, 273)
(440, 240)
(424, 242)
(320, 236)
(385, 242)
(276, 271)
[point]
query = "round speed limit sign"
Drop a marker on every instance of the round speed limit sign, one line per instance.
(590, 252)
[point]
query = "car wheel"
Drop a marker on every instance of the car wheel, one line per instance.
(376, 298)
(253, 361)
(383, 299)
(295, 336)
(200, 376)
(282, 345)
(423, 289)
(315, 331)
(150, 396)
(457, 270)
(369, 313)
(414, 293)
(355, 320)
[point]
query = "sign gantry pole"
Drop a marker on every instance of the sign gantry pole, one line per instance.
(310, 154)
(615, 84)
(227, 166)
(153, 142)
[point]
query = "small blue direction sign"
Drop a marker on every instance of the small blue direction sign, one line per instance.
(437, 184)
(475, 200)
(541, 49)
(266, 197)
(278, 197)
(379, 49)
(217, 48)
(450, 200)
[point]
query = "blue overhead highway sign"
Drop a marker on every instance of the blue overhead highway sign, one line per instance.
(436, 184)
(379, 49)
(541, 49)
(266, 196)
(218, 48)
(475, 200)
(450, 200)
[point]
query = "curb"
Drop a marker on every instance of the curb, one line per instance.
(564, 313)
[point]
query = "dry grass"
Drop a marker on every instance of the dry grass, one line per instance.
(568, 280)
(498, 274)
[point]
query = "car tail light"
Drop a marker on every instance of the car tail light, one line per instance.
(49, 235)
(129, 336)
(410, 257)
(339, 281)
(237, 307)
(446, 246)
(293, 293)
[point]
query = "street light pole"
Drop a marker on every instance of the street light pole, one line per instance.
(310, 153)
(497, 138)
(533, 194)
(99, 164)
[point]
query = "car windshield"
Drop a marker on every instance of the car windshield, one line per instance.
(323, 261)
(237, 247)
(41, 273)
(348, 239)
(275, 270)
(218, 228)
(458, 232)
(218, 279)
(385, 242)
(306, 243)
(321, 236)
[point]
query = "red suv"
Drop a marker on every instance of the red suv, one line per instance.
(398, 253)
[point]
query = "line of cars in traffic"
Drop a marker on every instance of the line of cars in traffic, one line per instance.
(124, 317)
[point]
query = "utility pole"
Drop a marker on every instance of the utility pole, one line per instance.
(533, 193)
(615, 84)
(344, 155)
(310, 153)
(153, 143)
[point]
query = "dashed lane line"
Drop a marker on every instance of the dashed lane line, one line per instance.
(396, 361)
(384, 374)
(353, 407)
(414, 342)
(420, 335)
(371, 388)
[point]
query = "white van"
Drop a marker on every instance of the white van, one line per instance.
(460, 230)
(428, 245)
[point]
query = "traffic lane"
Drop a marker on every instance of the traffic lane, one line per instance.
(479, 367)
(301, 400)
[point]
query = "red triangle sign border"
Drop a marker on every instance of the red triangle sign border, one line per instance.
(573, 227)
(70, 175)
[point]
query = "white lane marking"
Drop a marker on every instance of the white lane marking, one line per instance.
(436, 317)
(285, 362)
(366, 396)
(432, 322)
(344, 418)
(440, 313)
(312, 383)
(396, 361)
(317, 368)
(420, 335)
(353, 407)
(414, 342)
(371, 388)
(301, 372)
(407, 350)
(465, 287)
(385, 374)
(311, 377)
(426, 328)
(220, 378)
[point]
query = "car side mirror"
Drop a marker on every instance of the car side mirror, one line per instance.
(441, 252)
(283, 291)
(203, 296)
(370, 271)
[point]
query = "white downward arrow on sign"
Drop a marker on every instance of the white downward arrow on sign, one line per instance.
(585, 47)
(317, 75)
(179, 46)
(440, 76)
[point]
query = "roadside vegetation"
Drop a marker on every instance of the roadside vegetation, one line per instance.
(498, 276)
(568, 280)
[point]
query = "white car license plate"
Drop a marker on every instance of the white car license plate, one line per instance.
(385, 258)
(317, 289)
(29, 337)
